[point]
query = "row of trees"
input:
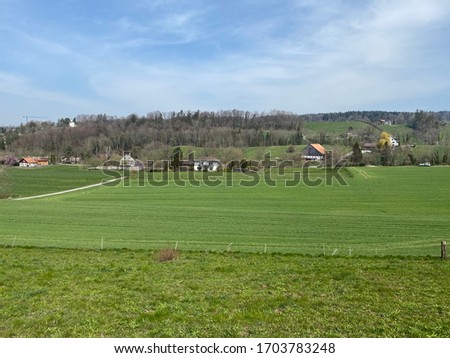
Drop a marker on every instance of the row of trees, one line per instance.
(375, 116)
(105, 135)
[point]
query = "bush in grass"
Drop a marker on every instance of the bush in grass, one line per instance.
(166, 255)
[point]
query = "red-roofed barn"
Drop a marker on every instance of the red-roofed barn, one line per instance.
(314, 152)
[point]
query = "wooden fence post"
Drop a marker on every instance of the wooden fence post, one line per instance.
(443, 250)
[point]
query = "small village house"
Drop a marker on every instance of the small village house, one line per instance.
(70, 160)
(369, 147)
(186, 165)
(30, 162)
(314, 152)
(42, 161)
(207, 164)
(127, 160)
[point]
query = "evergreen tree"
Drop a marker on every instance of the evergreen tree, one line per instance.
(177, 157)
(357, 154)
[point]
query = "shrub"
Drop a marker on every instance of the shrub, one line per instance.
(291, 149)
(11, 161)
(165, 255)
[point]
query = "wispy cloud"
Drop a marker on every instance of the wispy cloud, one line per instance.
(127, 25)
(35, 43)
(180, 27)
(352, 60)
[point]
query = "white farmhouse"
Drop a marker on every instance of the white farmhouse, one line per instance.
(207, 164)
(127, 161)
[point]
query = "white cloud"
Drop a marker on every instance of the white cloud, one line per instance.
(182, 25)
(392, 31)
(351, 59)
(402, 14)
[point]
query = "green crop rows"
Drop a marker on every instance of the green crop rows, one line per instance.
(380, 211)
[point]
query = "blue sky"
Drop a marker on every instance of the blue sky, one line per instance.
(69, 57)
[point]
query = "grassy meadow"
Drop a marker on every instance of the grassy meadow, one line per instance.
(127, 293)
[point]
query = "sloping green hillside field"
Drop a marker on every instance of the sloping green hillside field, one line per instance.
(356, 211)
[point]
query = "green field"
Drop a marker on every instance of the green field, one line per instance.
(381, 211)
(122, 293)
(41, 180)
(355, 258)
(313, 128)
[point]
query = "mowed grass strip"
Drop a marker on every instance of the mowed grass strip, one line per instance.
(121, 293)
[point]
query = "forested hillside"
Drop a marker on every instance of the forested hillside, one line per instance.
(101, 136)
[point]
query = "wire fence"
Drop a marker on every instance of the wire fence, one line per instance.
(410, 248)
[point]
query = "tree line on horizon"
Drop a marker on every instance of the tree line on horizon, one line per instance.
(155, 133)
